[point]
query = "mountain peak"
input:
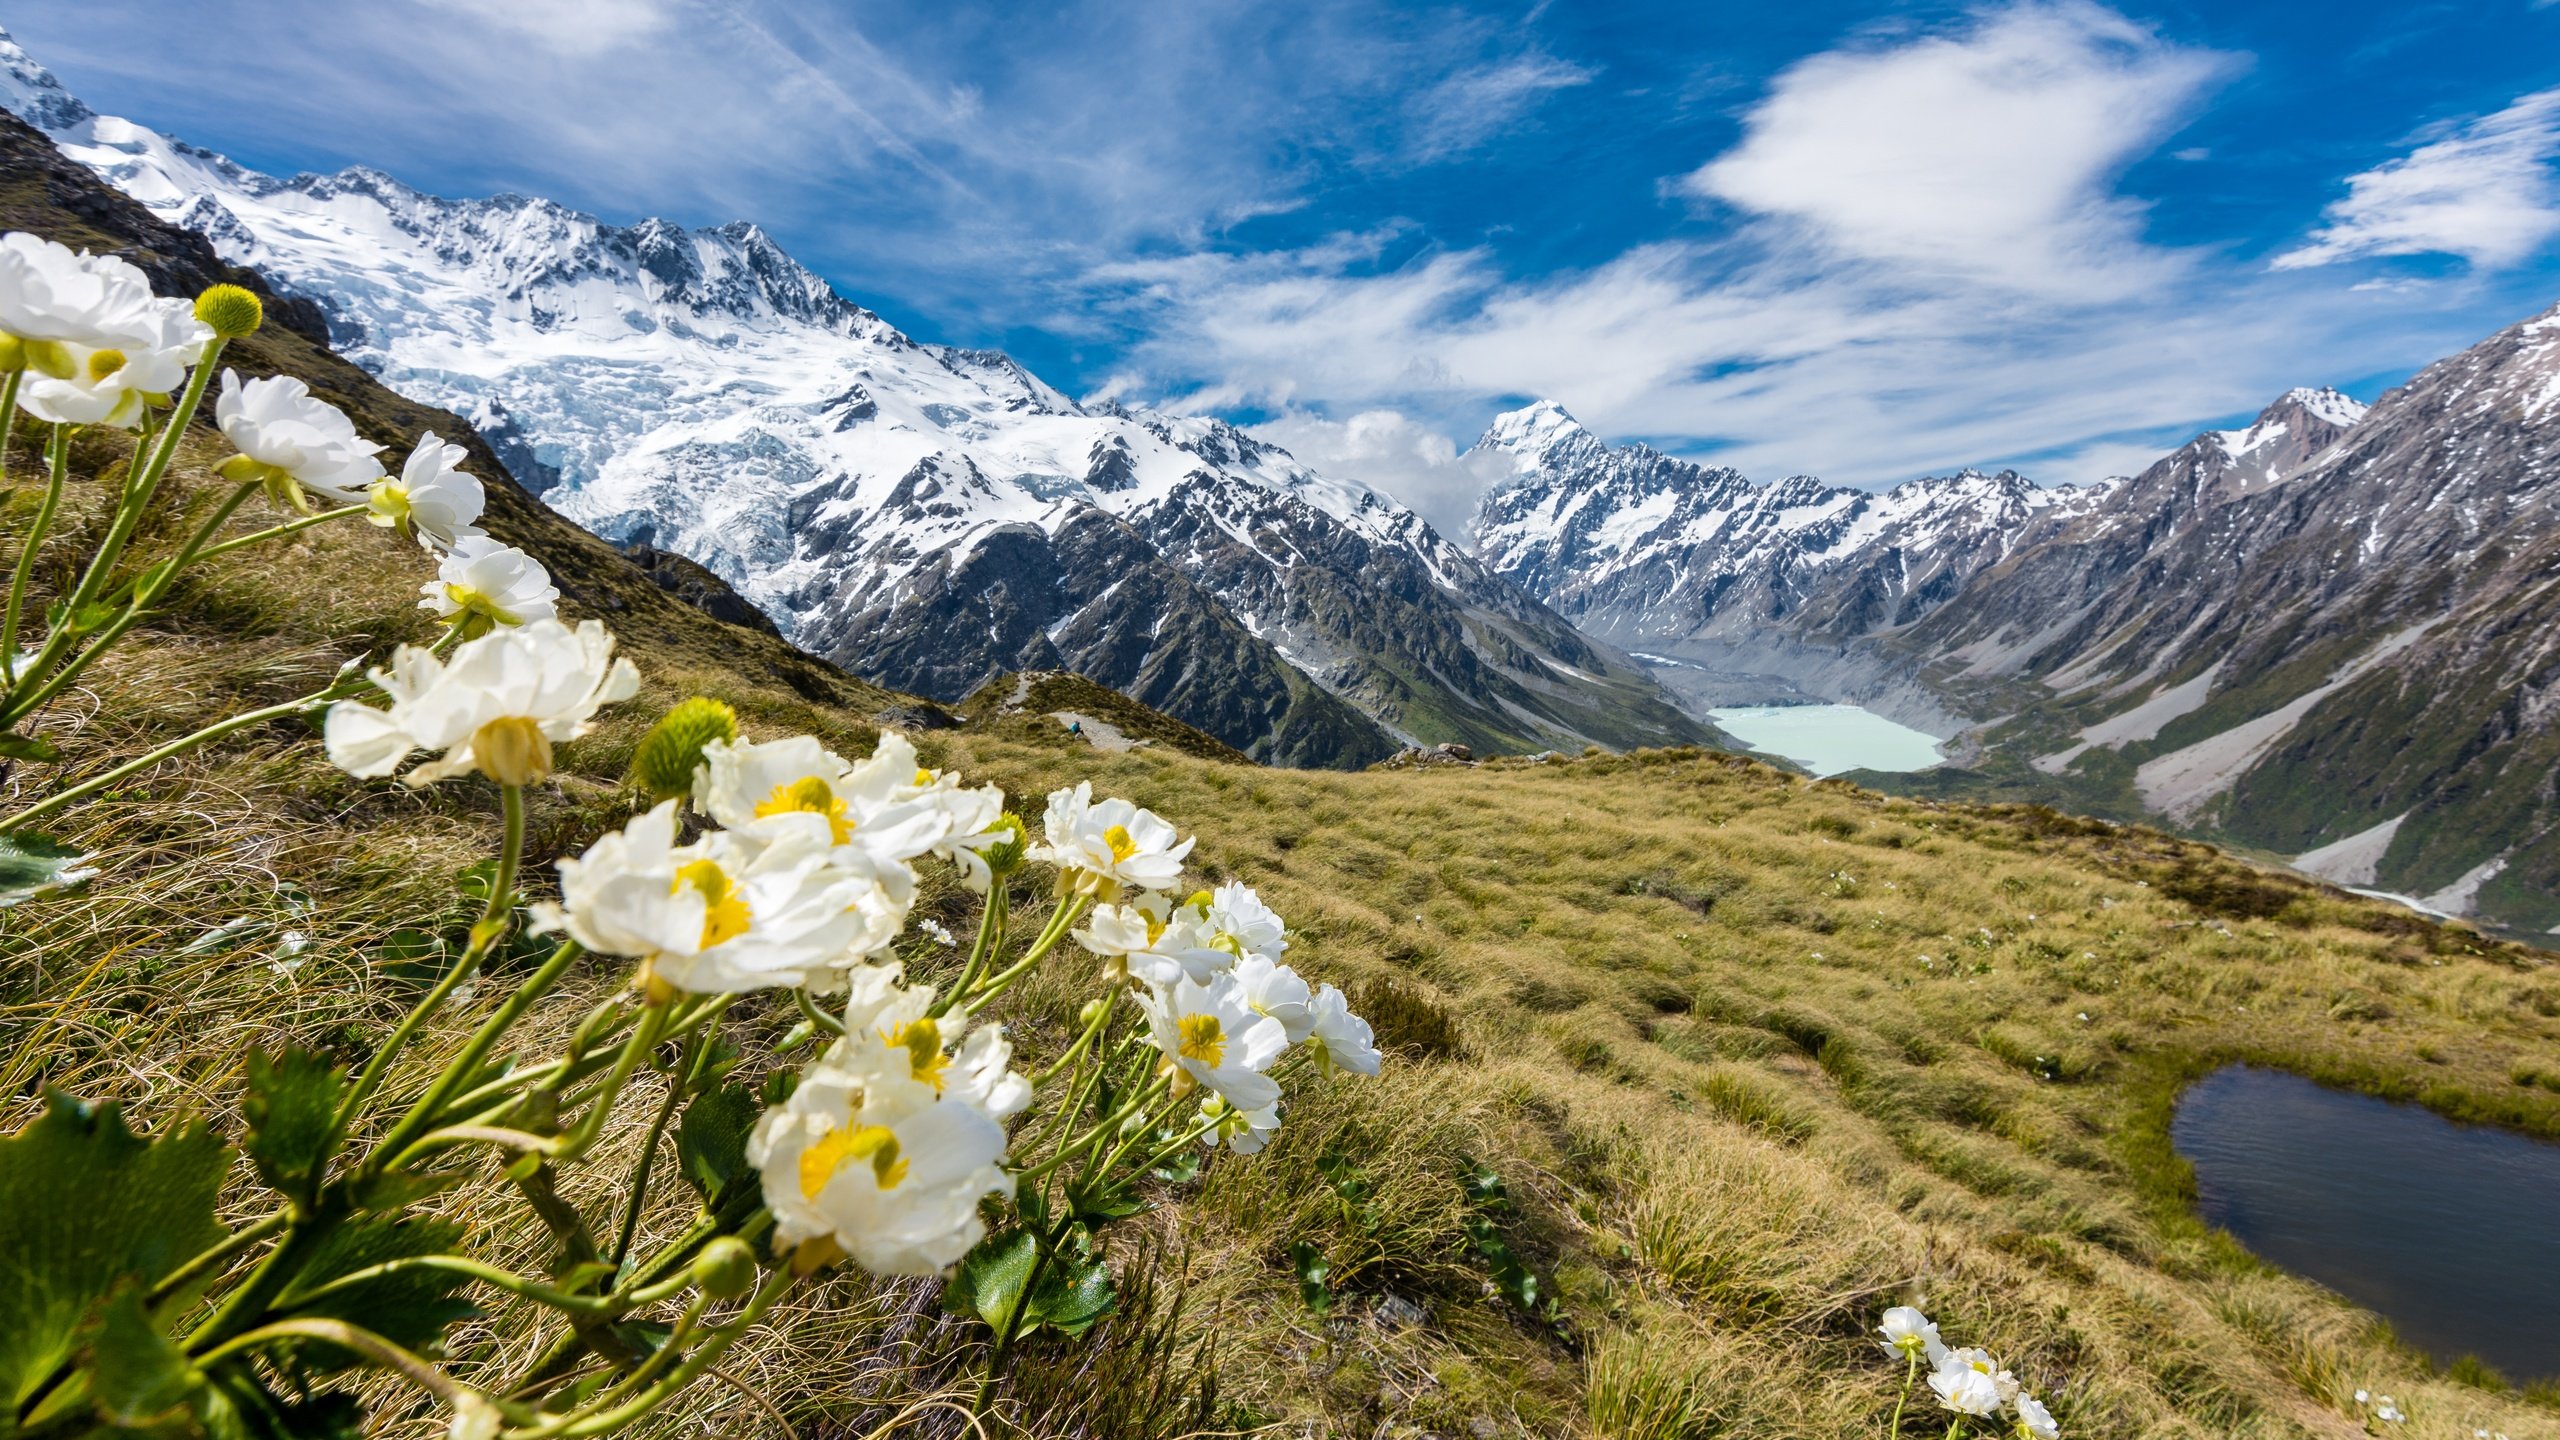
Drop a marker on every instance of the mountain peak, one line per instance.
(31, 92)
(2323, 403)
(1532, 431)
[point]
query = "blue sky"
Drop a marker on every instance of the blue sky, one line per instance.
(1865, 241)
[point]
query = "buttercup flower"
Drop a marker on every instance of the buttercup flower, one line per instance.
(973, 813)
(433, 498)
(109, 386)
(1157, 943)
(2004, 1386)
(1339, 1039)
(894, 1183)
(52, 296)
(2034, 1421)
(1966, 1391)
(726, 914)
(799, 787)
(1237, 922)
(484, 584)
(1209, 1036)
(293, 442)
(1275, 990)
(498, 707)
(1100, 849)
(1909, 1334)
(890, 1041)
(1243, 1131)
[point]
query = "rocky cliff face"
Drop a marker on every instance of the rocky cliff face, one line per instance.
(923, 514)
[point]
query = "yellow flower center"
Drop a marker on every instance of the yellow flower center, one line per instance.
(923, 780)
(839, 1148)
(1117, 837)
(1155, 930)
(1203, 1039)
(477, 601)
(922, 1040)
(390, 503)
(512, 750)
(813, 795)
(103, 363)
(725, 916)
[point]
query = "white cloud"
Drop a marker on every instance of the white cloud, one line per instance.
(2486, 191)
(1985, 152)
(1413, 461)
(575, 27)
(1471, 106)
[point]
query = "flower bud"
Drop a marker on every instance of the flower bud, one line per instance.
(664, 762)
(1092, 1012)
(512, 750)
(725, 1268)
(230, 311)
(1005, 856)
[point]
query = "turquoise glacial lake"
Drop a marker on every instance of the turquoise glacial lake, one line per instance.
(2448, 1231)
(1829, 739)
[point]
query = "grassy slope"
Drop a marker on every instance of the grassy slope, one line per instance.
(1739, 1113)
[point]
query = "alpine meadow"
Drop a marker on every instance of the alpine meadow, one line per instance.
(595, 841)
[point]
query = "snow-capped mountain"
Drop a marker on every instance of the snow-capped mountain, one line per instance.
(923, 515)
(1720, 580)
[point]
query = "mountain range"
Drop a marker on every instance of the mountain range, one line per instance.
(2323, 635)
(924, 516)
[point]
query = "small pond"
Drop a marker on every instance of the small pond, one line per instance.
(1828, 739)
(2451, 1232)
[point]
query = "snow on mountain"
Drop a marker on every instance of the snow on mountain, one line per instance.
(1653, 551)
(702, 392)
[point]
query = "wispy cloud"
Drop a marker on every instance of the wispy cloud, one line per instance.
(1474, 105)
(575, 27)
(2487, 192)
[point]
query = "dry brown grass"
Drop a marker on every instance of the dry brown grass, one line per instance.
(1738, 1113)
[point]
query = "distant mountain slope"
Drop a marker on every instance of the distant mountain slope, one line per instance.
(2329, 635)
(1732, 586)
(926, 516)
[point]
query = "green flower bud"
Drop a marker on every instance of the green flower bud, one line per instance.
(231, 311)
(1005, 856)
(1091, 1012)
(725, 1268)
(667, 756)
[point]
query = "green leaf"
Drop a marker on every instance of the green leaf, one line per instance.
(1338, 1172)
(711, 1142)
(1180, 1168)
(292, 1110)
(1098, 1200)
(409, 1308)
(1313, 1271)
(26, 747)
(84, 1205)
(137, 1375)
(33, 865)
(1074, 1293)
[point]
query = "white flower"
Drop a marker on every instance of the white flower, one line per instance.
(1154, 941)
(1100, 849)
(799, 787)
(1966, 1391)
(1209, 1036)
(895, 1184)
(1339, 1039)
(937, 932)
(2386, 1411)
(109, 385)
(293, 441)
(2034, 1421)
(1237, 922)
(891, 1041)
(1909, 1334)
(485, 583)
(972, 813)
(1275, 990)
(497, 708)
(1243, 1131)
(434, 497)
(2003, 1385)
(52, 295)
(725, 914)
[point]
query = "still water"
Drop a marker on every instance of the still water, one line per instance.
(2451, 1232)
(1828, 739)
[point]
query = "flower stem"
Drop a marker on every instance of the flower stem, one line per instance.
(56, 458)
(678, 1082)
(337, 689)
(276, 532)
(1055, 931)
(1910, 1373)
(991, 926)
